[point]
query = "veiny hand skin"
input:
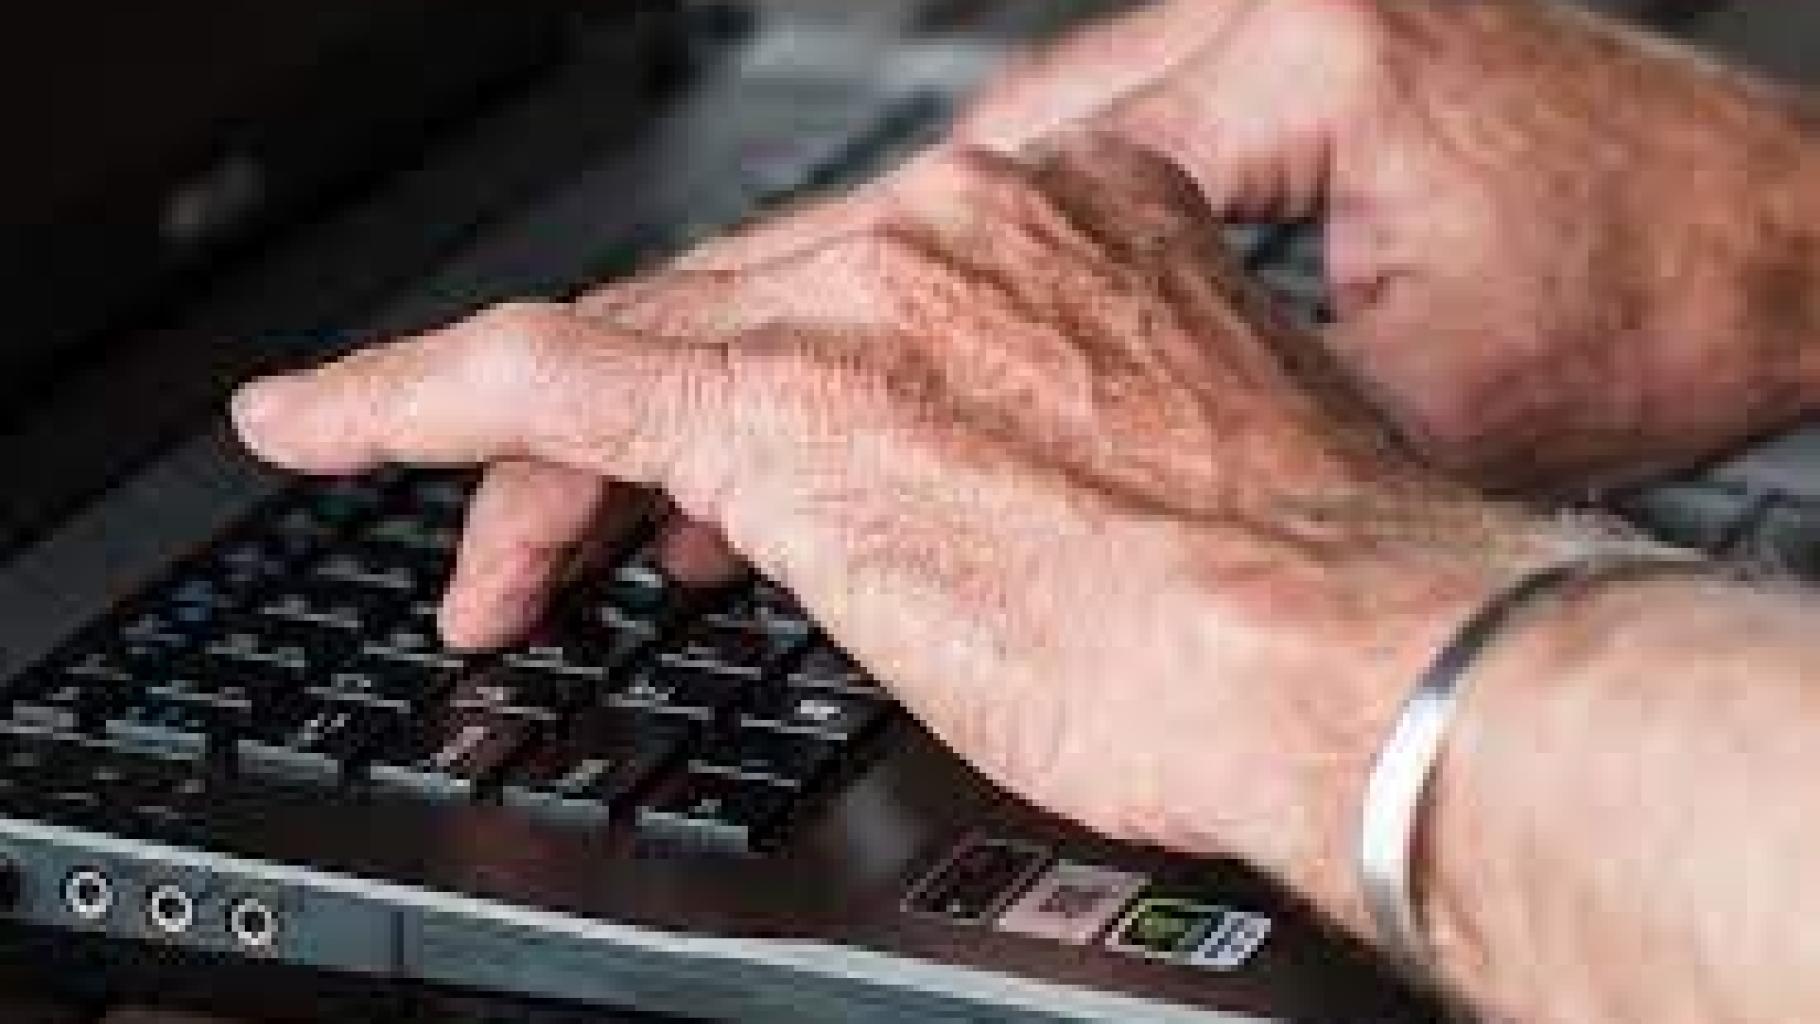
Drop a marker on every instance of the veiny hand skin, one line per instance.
(1015, 430)
(1565, 253)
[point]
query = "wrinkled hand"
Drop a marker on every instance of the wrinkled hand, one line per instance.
(1021, 441)
(1563, 252)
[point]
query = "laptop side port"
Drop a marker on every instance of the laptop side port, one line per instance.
(88, 894)
(253, 924)
(170, 909)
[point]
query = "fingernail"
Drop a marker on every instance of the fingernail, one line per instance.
(462, 627)
(485, 620)
(260, 403)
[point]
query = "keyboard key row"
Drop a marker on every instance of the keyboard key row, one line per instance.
(303, 649)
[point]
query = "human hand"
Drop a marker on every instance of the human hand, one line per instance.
(1563, 252)
(1024, 446)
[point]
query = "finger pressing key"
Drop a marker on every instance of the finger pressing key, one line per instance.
(527, 522)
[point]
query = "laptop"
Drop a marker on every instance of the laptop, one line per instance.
(228, 731)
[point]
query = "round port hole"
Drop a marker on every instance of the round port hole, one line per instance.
(253, 924)
(88, 894)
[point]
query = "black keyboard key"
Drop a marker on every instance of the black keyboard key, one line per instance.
(37, 774)
(611, 618)
(194, 591)
(769, 610)
(516, 693)
(586, 772)
(73, 698)
(166, 630)
(383, 573)
(172, 728)
(415, 644)
(246, 565)
(315, 741)
(785, 759)
(331, 606)
(430, 545)
(636, 594)
(684, 693)
(57, 705)
(451, 754)
(341, 503)
(274, 655)
(176, 612)
(230, 699)
(437, 498)
(826, 667)
(707, 646)
(837, 716)
(121, 665)
(403, 688)
(716, 813)
(593, 653)
(305, 527)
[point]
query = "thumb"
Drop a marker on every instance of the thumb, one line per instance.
(520, 381)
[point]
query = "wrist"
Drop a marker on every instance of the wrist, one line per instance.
(1312, 661)
(1534, 778)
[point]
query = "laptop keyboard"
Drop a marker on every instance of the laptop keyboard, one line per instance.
(302, 650)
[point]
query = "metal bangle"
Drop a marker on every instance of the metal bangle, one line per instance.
(1399, 780)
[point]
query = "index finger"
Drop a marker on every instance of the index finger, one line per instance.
(521, 381)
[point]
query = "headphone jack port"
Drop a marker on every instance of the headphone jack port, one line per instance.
(253, 924)
(170, 909)
(88, 894)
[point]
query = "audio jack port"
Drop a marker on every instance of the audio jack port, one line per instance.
(253, 924)
(170, 909)
(88, 894)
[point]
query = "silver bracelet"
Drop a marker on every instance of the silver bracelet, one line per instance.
(1399, 780)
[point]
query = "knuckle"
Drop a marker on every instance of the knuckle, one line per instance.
(958, 186)
(516, 343)
(977, 168)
